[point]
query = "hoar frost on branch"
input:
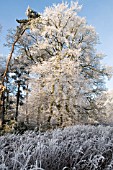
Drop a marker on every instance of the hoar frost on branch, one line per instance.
(71, 77)
(105, 105)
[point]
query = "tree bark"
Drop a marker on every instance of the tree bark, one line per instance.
(17, 103)
(27, 116)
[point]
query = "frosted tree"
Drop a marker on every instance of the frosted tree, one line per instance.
(105, 105)
(2, 87)
(69, 76)
(2, 68)
(2, 65)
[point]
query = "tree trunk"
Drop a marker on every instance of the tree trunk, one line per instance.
(27, 116)
(2, 89)
(17, 103)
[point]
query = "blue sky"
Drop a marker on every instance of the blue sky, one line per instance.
(98, 13)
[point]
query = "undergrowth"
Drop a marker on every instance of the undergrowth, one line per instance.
(77, 148)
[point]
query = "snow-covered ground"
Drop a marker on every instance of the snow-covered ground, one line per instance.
(77, 147)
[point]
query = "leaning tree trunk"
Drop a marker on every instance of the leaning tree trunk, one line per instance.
(24, 25)
(20, 32)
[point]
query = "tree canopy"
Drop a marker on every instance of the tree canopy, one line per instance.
(68, 72)
(57, 72)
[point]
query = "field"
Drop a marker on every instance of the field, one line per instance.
(77, 147)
